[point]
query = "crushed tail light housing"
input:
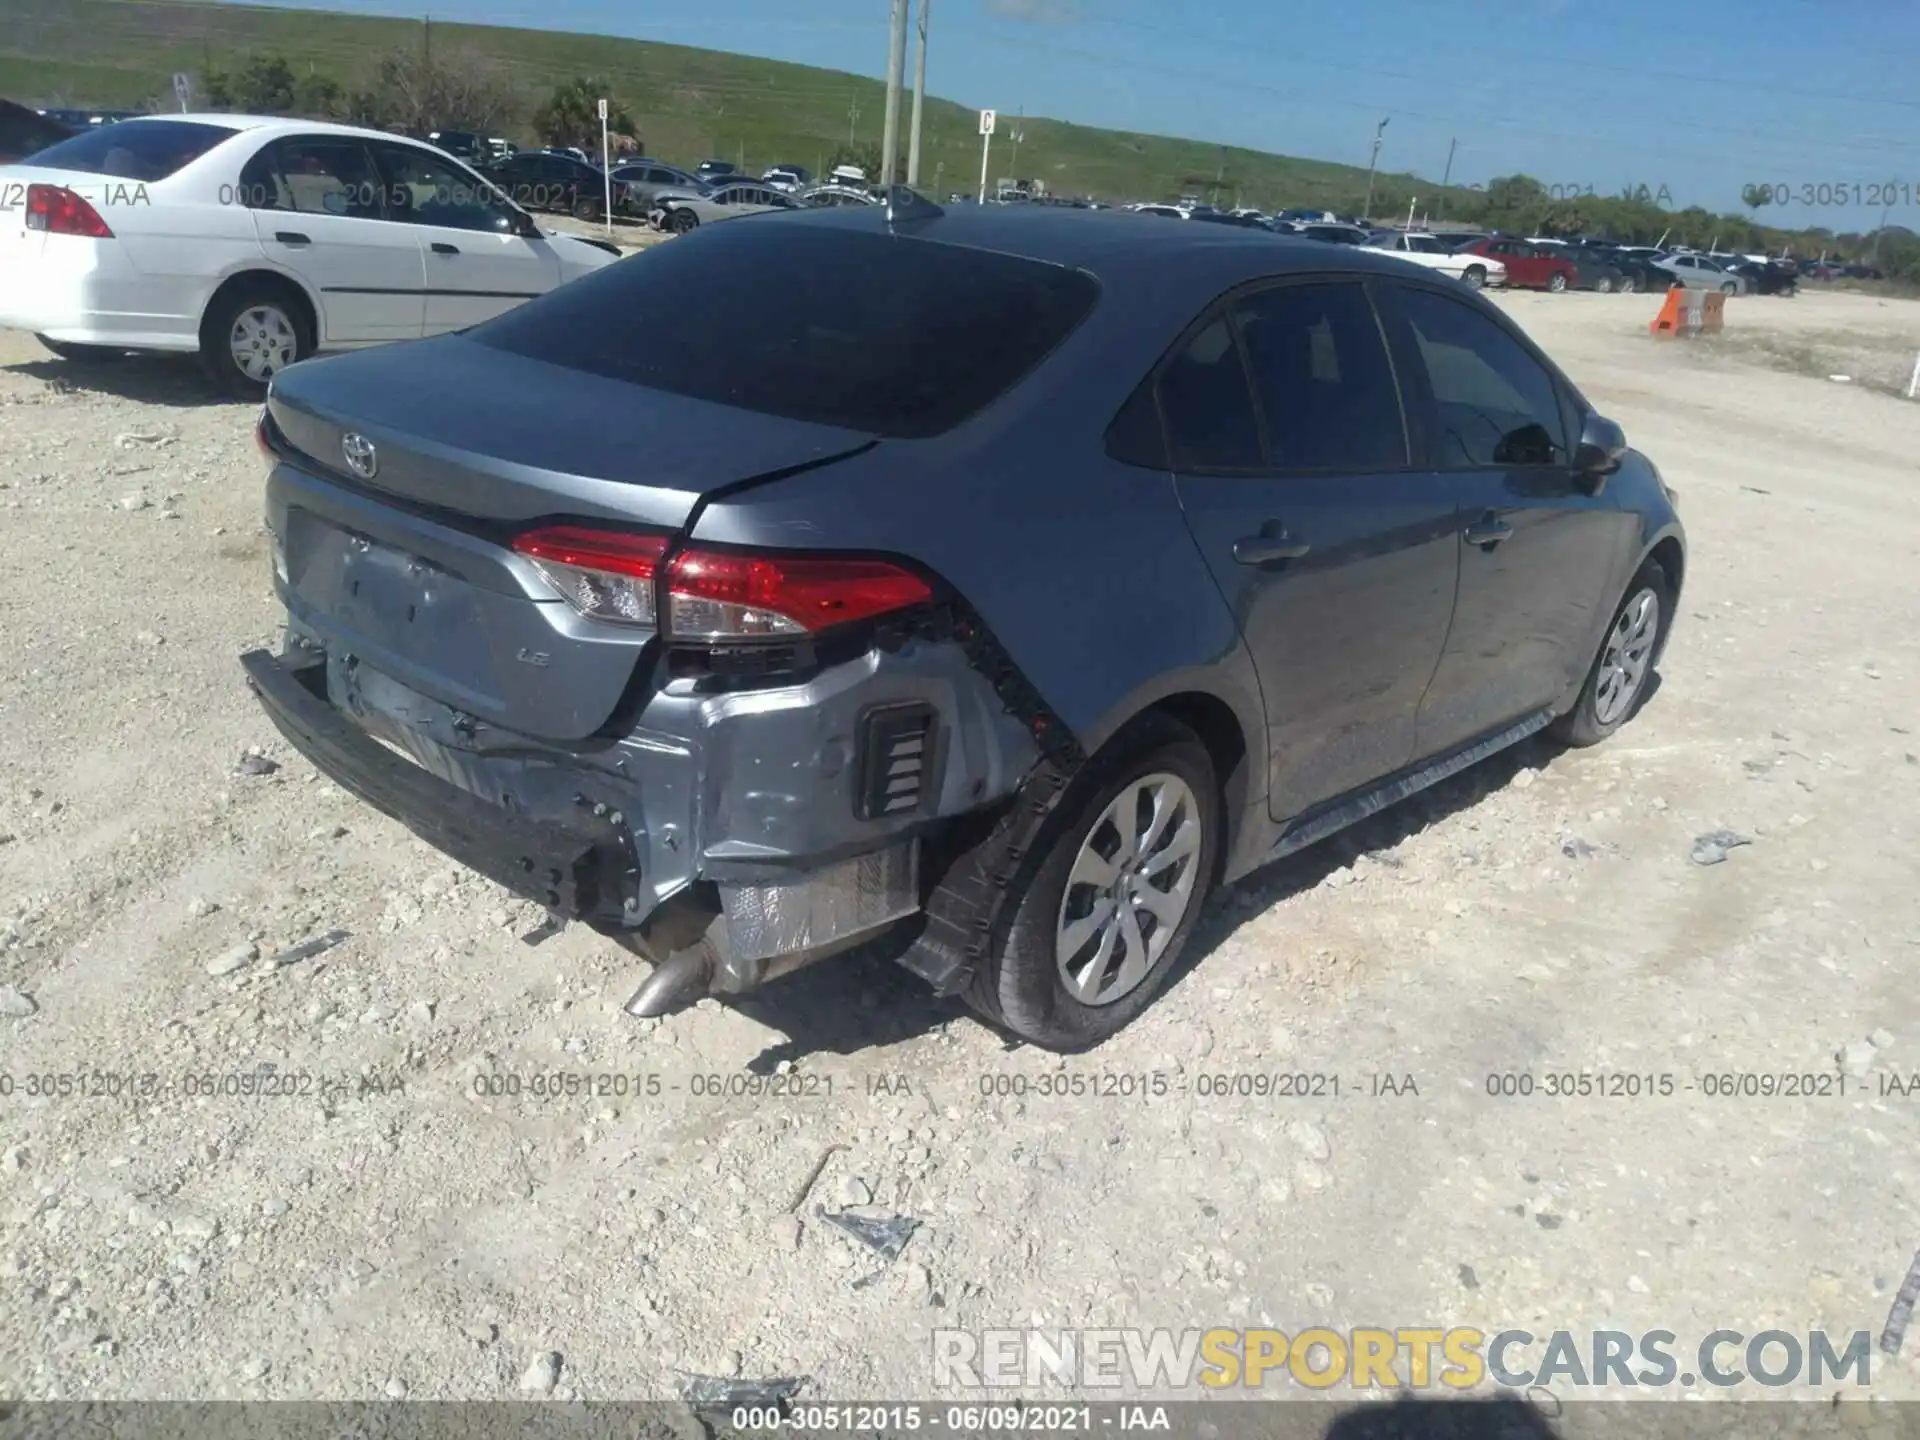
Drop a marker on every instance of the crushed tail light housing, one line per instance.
(604, 574)
(60, 211)
(713, 595)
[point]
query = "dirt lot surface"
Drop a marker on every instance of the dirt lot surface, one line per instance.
(387, 1231)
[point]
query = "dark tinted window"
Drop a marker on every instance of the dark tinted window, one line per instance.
(425, 190)
(1497, 404)
(1321, 372)
(1207, 406)
(135, 149)
(878, 333)
(315, 175)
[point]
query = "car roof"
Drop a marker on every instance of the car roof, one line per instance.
(1113, 245)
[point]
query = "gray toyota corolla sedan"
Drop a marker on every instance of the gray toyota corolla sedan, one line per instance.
(1002, 578)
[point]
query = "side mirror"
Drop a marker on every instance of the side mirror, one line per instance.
(1597, 456)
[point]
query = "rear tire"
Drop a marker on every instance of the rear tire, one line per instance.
(250, 333)
(1557, 282)
(680, 222)
(82, 354)
(1729, 288)
(1617, 684)
(1604, 285)
(587, 208)
(1628, 285)
(1154, 783)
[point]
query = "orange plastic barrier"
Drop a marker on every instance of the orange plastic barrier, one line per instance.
(1690, 312)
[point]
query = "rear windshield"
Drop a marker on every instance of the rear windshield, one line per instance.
(891, 336)
(134, 149)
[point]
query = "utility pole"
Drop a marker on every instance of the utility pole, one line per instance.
(853, 117)
(1373, 164)
(896, 66)
(1019, 134)
(919, 92)
(1452, 145)
(426, 38)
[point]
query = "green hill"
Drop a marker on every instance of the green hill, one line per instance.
(689, 104)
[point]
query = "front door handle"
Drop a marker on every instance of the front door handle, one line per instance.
(1488, 531)
(291, 237)
(1271, 544)
(440, 247)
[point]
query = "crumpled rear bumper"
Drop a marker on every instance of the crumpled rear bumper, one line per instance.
(581, 871)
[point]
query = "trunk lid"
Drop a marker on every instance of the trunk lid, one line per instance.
(411, 567)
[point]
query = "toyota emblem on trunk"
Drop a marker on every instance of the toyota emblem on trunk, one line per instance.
(360, 455)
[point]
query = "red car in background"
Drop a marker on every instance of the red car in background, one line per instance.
(1529, 267)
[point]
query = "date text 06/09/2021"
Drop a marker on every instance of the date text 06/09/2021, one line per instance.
(887, 1418)
(133, 1086)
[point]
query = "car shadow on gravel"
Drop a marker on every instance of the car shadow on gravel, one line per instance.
(864, 1000)
(1376, 837)
(171, 380)
(1497, 1417)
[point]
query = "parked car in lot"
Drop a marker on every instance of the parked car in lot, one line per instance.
(1633, 272)
(993, 582)
(828, 195)
(791, 178)
(1769, 277)
(256, 242)
(644, 181)
(464, 145)
(681, 211)
(714, 170)
(549, 180)
(1431, 253)
(1335, 234)
(24, 131)
(1593, 269)
(1697, 272)
(1529, 266)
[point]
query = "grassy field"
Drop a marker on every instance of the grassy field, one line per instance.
(690, 104)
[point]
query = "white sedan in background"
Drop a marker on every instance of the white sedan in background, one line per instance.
(257, 242)
(1431, 252)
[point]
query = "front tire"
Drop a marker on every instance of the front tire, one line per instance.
(1102, 909)
(587, 208)
(1628, 285)
(1729, 289)
(1617, 684)
(250, 334)
(1557, 282)
(1476, 276)
(82, 354)
(1604, 285)
(681, 222)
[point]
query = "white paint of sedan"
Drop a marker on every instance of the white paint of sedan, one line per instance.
(256, 242)
(1431, 252)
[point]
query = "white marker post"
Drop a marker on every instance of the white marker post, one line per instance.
(1913, 385)
(986, 144)
(606, 167)
(182, 90)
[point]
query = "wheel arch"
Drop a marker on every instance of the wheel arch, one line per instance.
(1230, 725)
(268, 275)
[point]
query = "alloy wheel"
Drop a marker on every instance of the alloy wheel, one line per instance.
(263, 342)
(1132, 882)
(1624, 660)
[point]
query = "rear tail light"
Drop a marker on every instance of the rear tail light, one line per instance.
(59, 211)
(604, 574)
(714, 595)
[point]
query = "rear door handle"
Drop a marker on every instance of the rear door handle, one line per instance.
(1272, 544)
(291, 237)
(1488, 531)
(440, 247)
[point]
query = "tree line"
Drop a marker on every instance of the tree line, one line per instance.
(413, 92)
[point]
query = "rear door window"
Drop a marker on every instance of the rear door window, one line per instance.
(1320, 370)
(1207, 404)
(135, 149)
(887, 335)
(315, 175)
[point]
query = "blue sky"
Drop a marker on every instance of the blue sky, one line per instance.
(1696, 96)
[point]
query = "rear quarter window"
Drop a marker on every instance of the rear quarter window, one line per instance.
(895, 337)
(135, 149)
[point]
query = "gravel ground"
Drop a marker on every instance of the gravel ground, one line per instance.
(388, 1231)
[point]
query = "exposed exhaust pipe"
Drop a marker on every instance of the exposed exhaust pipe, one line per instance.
(677, 981)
